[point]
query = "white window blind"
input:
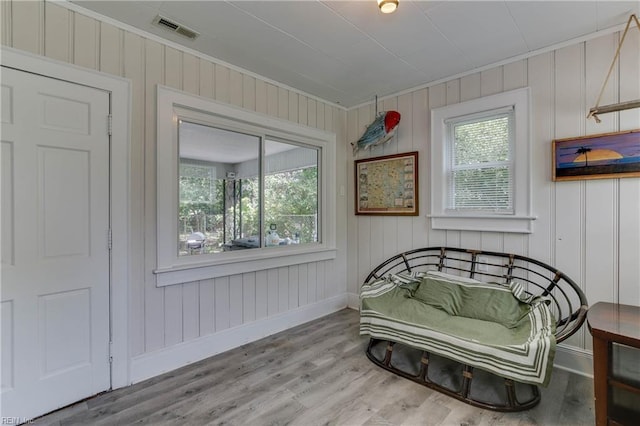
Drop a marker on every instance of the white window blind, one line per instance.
(480, 175)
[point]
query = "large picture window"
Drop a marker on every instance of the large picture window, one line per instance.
(480, 164)
(238, 191)
(230, 183)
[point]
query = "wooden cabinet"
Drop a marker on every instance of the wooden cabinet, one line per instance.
(616, 362)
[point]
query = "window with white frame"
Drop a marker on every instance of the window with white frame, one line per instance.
(238, 191)
(480, 164)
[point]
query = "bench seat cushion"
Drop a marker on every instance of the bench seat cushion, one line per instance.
(523, 351)
(470, 298)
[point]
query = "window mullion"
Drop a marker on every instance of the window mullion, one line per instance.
(261, 186)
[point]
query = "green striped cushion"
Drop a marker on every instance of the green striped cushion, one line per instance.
(470, 298)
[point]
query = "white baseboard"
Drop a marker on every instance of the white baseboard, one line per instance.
(353, 301)
(574, 360)
(158, 362)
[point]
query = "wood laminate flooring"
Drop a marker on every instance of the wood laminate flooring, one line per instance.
(313, 374)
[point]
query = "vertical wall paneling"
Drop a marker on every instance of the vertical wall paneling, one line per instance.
(515, 75)
(173, 317)
(235, 88)
(629, 79)
(389, 228)
(320, 112)
(86, 42)
(261, 294)
(110, 49)
(154, 297)
(312, 282)
(6, 23)
(470, 87)
(190, 311)
(321, 280)
(134, 69)
(27, 19)
(222, 83)
(272, 100)
(222, 305)
(364, 223)
(283, 103)
(190, 74)
(541, 81)
(173, 306)
(437, 97)
(302, 110)
(491, 81)
(283, 289)
(629, 189)
(420, 127)
(404, 226)
(207, 78)
(249, 297)
(353, 221)
(294, 284)
(248, 92)
(236, 306)
(206, 307)
(570, 121)
(261, 97)
(58, 44)
(293, 106)
(272, 291)
(628, 289)
(601, 195)
(311, 112)
(303, 284)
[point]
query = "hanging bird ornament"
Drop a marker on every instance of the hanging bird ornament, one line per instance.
(380, 131)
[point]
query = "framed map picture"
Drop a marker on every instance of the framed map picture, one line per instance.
(387, 185)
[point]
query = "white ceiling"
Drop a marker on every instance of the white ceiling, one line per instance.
(347, 51)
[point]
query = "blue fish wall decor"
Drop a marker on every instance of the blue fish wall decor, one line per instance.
(380, 131)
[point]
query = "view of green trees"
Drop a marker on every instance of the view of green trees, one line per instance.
(225, 210)
(291, 202)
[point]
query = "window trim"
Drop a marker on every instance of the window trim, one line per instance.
(174, 269)
(521, 221)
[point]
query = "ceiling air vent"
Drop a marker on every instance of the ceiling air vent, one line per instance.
(168, 24)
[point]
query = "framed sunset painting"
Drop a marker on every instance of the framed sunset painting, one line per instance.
(607, 155)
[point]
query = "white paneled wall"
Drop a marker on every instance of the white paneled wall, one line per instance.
(162, 318)
(588, 229)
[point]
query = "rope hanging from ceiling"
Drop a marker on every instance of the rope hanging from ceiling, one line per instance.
(593, 112)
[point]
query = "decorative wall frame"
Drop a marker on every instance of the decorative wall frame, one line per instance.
(387, 185)
(602, 156)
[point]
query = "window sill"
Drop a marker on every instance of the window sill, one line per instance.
(490, 223)
(237, 263)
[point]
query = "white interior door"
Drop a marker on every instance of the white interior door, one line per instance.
(55, 256)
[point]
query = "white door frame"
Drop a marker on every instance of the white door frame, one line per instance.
(120, 94)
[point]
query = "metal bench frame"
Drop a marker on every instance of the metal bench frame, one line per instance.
(568, 304)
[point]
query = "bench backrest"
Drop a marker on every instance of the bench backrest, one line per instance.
(569, 304)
